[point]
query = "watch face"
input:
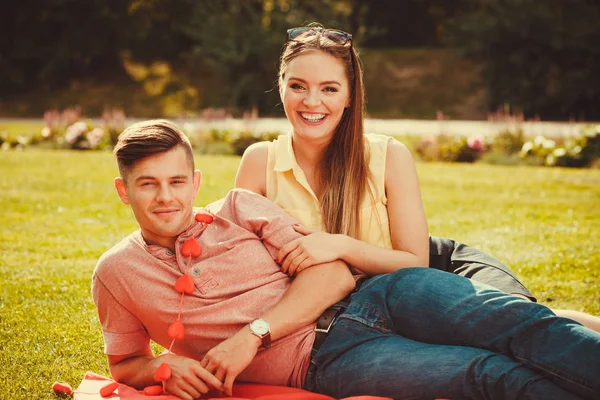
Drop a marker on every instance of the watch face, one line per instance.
(260, 327)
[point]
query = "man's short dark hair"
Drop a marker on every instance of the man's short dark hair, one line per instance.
(148, 138)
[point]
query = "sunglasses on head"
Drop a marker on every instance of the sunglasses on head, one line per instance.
(336, 36)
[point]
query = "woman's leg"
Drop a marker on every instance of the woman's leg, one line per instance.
(460, 259)
(431, 306)
(589, 321)
(357, 359)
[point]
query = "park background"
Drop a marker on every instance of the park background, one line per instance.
(499, 100)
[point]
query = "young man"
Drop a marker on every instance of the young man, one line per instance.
(418, 332)
(237, 280)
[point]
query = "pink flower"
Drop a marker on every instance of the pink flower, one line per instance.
(476, 143)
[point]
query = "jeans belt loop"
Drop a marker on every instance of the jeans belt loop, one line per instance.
(324, 324)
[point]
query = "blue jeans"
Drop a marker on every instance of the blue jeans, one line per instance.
(419, 333)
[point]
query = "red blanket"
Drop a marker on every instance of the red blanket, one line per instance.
(89, 389)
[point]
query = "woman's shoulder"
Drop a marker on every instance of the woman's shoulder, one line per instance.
(377, 138)
(385, 143)
(257, 151)
(252, 169)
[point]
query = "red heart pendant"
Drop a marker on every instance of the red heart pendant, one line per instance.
(162, 373)
(176, 330)
(191, 248)
(184, 284)
(154, 390)
(206, 218)
(109, 389)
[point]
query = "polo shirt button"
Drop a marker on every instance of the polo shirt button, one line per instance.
(169, 253)
(196, 271)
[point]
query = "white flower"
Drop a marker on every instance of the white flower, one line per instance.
(559, 152)
(527, 147)
(539, 140)
(74, 131)
(549, 144)
(95, 136)
(46, 132)
(575, 150)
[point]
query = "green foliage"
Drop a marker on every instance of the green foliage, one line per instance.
(510, 148)
(508, 142)
(580, 151)
(539, 56)
(60, 213)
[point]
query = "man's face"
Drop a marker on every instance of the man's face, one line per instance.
(161, 190)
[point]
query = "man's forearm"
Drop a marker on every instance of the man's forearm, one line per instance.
(312, 291)
(137, 371)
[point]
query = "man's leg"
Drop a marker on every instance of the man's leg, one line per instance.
(357, 358)
(430, 306)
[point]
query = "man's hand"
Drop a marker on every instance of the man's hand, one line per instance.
(305, 252)
(188, 379)
(230, 357)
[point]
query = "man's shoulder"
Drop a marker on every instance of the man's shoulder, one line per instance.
(115, 256)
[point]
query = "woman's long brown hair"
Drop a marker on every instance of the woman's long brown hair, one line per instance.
(344, 173)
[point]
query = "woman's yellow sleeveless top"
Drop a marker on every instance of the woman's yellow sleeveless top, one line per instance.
(288, 187)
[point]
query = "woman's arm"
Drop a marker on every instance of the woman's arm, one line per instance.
(252, 172)
(408, 228)
(408, 224)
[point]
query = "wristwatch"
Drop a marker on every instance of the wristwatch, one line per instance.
(262, 329)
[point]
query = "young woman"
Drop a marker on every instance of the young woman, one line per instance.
(431, 334)
(359, 193)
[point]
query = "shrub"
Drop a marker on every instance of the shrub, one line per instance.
(114, 123)
(578, 152)
(83, 136)
(246, 139)
(451, 148)
(508, 142)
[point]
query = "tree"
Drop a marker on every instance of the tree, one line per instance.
(538, 56)
(51, 44)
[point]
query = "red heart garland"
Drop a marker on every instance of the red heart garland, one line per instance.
(184, 284)
(191, 248)
(206, 218)
(154, 390)
(109, 389)
(162, 373)
(176, 330)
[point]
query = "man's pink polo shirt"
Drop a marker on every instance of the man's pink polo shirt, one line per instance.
(236, 280)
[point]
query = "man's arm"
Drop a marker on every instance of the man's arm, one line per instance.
(311, 292)
(188, 381)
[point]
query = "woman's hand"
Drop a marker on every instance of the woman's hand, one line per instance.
(313, 249)
(230, 357)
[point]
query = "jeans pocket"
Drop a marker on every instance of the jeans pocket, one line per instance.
(367, 314)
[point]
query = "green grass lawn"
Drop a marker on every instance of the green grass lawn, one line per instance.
(60, 213)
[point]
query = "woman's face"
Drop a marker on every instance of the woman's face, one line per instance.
(314, 92)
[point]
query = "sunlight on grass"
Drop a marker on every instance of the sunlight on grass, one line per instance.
(60, 213)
